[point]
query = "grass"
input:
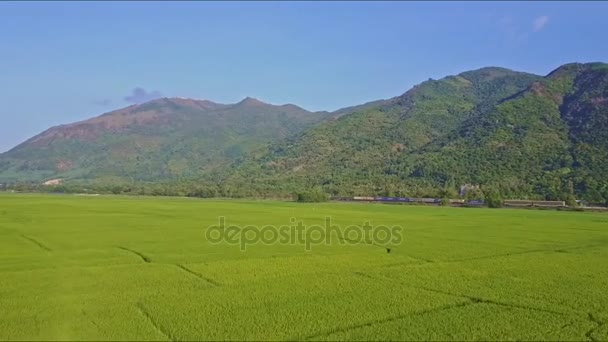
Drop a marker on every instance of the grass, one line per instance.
(124, 268)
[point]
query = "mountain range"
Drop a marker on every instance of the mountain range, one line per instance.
(521, 134)
(162, 139)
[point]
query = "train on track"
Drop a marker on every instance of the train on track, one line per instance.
(408, 200)
(453, 202)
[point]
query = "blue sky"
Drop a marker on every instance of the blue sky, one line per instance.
(68, 61)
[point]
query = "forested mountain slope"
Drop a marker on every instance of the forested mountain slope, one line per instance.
(520, 134)
(164, 139)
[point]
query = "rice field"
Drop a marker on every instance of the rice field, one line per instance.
(127, 268)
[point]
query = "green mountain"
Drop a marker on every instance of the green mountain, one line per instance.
(520, 134)
(163, 139)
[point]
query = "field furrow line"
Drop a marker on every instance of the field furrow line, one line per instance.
(497, 256)
(548, 250)
(142, 310)
(518, 306)
(490, 301)
(405, 264)
(369, 243)
(142, 256)
(474, 299)
(385, 320)
(84, 313)
(198, 275)
(364, 275)
(489, 257)
(37, 243)
(598, 324)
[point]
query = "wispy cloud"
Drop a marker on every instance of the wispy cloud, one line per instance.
(512, 30)
(139, 95)
(102, 102)
(516, 30)
(540, 23)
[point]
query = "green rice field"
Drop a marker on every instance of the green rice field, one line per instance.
(129, 268)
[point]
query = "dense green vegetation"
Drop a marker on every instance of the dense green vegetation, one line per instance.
(139, 268)
(514, 134)
(312, 195)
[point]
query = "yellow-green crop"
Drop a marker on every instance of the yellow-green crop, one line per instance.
(120, 268)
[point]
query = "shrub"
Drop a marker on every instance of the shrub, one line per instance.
(494, 199)
(571, 201)
(310, 196)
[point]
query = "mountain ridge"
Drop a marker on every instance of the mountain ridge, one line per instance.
(521, 134)
(207, 132)
(493, 127)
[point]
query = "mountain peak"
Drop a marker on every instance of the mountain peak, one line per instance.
(488, 73)
(573, 68)
(250, 101)
(201, 104)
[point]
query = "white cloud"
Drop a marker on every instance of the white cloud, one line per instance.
(540, 22)
(140, 95)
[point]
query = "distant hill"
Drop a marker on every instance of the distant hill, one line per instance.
(522, 134)
(163, 139)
